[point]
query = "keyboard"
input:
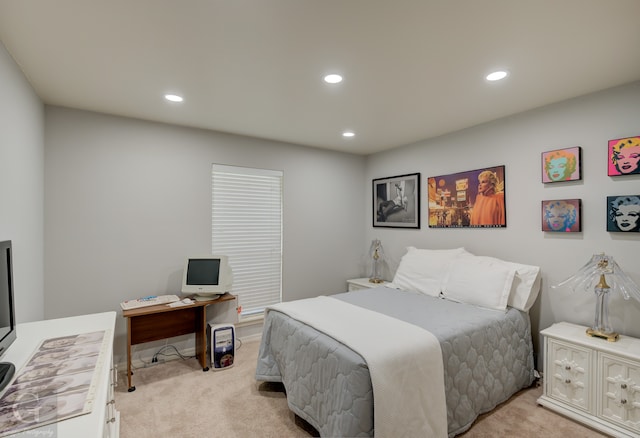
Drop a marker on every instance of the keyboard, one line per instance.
(149, 301)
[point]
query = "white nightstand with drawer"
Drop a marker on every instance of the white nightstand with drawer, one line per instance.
(362, 283)
(591, 380)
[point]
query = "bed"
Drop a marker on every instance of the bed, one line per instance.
(348, 375)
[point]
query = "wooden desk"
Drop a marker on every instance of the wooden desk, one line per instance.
(146, 324)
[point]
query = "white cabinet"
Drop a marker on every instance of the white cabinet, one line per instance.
(591, 380)
(104, 419)
(112, 415)
(362, 283)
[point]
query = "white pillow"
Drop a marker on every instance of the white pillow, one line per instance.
(423, 270)
(478, 280)
(526, 286)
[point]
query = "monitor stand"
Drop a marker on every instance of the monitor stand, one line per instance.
(206, 297)
(7, 369)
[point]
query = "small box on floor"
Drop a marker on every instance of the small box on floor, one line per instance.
(222, 345)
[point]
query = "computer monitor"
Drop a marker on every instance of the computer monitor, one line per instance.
(206, 276)
(8, 330)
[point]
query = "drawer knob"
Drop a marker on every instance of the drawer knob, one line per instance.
(567, 380)
(623, 401)
(623, 386)
(567, 367)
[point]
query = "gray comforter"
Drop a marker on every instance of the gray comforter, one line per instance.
(487, 356)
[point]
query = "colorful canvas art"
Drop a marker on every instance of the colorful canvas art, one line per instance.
(471, 199)
(624, 156)
(562, 215)
(562, 165)
(623, 213)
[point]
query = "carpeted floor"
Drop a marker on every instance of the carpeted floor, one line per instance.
(178, 399)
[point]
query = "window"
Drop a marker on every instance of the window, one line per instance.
(247, 227)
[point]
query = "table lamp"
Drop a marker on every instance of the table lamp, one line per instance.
(604, 275)
(377, 256)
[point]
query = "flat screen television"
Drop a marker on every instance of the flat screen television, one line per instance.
(206, 276)
(8, 330)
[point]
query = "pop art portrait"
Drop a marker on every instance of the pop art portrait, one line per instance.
(624, 156)
(561, 165)
(561, 215)
(623, 213)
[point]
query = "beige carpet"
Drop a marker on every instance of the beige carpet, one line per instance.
(178, 399)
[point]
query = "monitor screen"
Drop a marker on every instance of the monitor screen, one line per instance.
(8, 329)
(203, 271)
(7, 318)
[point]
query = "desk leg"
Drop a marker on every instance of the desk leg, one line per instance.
(201, 337)
(129, 372)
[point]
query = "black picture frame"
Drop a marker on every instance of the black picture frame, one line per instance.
(396, 201)
(562, 165)
(623, 213)
(456, 200)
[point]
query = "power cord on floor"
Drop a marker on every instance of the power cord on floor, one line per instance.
(140, 359)
(161, 352)
(175, 353)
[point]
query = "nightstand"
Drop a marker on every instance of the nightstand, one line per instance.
(362, 283)
(591, 380)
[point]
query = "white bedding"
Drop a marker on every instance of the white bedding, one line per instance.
(396, 352)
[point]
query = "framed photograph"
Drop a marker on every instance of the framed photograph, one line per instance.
(471, 199)
(562, 165)
(623, 213)
(562, 215)
(624, 156)
(396, 201)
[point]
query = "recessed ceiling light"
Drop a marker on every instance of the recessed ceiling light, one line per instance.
(497, 75)
(333, 79)
(173, 98)
(348, 134)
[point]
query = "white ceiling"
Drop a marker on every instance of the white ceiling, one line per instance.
(413, 69)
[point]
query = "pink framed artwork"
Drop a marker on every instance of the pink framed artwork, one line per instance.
(562, 165)
(624, 156)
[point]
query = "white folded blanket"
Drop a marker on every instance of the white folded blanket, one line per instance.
(405, 363)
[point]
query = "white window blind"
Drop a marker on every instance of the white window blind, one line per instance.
(247, 227)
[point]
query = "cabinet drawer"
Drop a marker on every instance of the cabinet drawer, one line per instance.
(619, 389)
(569, 374)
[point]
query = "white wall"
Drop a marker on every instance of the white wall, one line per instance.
(128, 200)
(517, 142)
(21, 186)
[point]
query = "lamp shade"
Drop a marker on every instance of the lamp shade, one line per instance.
(588, 276)
(602, 275)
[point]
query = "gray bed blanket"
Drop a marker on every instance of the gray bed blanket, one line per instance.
(487, 357)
